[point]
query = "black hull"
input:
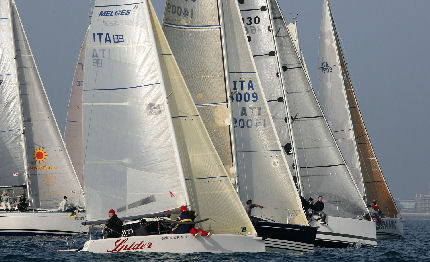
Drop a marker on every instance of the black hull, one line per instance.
(285, 237)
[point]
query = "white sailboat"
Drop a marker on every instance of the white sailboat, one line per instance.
(33, 158)
(321, 168)
(341, 108)
(263, 151)
(146, 149)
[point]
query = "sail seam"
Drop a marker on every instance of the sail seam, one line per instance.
(120, 88)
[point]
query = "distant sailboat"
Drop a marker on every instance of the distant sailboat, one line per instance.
(341, 108)
(146, 150)
(321, 168)
(33, 158)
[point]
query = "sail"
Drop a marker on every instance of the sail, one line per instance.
(322, 168)
(131, 161)
(332, 94)
(374, 182)
(209, 188)
(194, 33)
(50, 171)
(73, 131)
(12, 153)
(258, 26)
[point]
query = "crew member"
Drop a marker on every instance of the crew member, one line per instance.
(376, 207)
(197, 231)
(250, 206)
(184, 218)
(5, 201)
(113, 228)
(22, 203)
(63, 205)
(318, 208)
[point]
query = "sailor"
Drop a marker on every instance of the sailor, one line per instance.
(184, 217)
(142, 230)
(250, 206)
(197, 231)
(376, 208)
(22, 203)
(63, 205)
(318, 208)
(5, 201)
(113, 228)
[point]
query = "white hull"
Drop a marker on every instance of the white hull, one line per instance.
(177, 243)
(41, 223)
(390, 228)
(344, 232)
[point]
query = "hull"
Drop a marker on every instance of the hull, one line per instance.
(390, 228)
(41, 223)
(345, 232)
(286, 237)
(177, 243)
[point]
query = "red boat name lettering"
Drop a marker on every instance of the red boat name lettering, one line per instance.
(120, 245)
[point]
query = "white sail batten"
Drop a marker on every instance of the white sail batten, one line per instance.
(194, 33)
(209, 188)
(333, 97)
(131, 162)
(322, 169)
(261, 165)
(12, 152)
(73, 131)
(50, 171)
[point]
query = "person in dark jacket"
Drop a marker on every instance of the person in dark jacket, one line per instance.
(318, 208)
(113, 227)
(22, 203)
(250, 206)
(184, 217)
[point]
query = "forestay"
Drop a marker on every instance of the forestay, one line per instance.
(209, 188)
(332, 94)
(322, 168)
(259, 28)
(12, 159)
(194, 33)
(73, 132)
(131, 162)
(50, 171)
(263, 174)
(374, 182)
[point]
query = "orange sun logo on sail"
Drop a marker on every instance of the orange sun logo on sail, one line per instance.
(40, 155)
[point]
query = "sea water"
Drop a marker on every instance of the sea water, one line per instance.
(415, 246)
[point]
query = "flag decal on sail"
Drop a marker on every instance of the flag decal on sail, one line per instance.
(40, 155)
(15, 173)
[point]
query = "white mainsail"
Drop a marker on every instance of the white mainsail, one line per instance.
(213, 30)
(73, 131)
(322, 168)
(131, 162)
(208, 185)
(12, 153)
(50, 172)
(332, 94)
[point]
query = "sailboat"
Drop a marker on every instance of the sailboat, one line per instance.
(146, 151)
(33, 158)
(321, 170)
(342, 111)
(223, 76)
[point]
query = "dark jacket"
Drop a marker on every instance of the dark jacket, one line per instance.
(22, 204)
(183, 228)
(114, 227)
(318, 206)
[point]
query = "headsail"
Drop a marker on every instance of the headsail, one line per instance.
(51, 173)
(374, 182)
(131, 162)
(12, 152)
(322, 168)
(73, 132)
(210, 190)
(332, 94)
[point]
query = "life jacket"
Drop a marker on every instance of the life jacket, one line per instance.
(183, 228)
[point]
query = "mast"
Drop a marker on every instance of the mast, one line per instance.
(374, 181)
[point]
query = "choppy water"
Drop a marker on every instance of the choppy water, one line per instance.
(414, 247)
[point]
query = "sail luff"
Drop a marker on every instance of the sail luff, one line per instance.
(212, 194)
(73, 130)
(51, 173)
(373, 178)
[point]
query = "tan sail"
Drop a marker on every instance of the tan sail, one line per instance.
(374, 182)
(209, 188)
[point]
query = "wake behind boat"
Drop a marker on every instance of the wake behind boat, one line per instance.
(34, 163)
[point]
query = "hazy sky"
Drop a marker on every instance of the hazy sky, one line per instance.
(385, 43)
